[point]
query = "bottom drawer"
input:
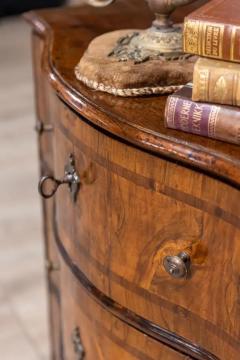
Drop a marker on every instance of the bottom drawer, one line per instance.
(90, 332)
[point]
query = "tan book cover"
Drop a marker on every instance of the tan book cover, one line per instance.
(213, 30)
(216, 82)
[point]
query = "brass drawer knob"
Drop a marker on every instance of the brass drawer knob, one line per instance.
(70, 178)
(178, 266)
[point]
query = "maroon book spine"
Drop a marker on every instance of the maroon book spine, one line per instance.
(213, 121)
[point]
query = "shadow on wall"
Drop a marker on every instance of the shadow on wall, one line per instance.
(11, 7)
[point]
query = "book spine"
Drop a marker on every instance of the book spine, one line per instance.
(203, 119)
(213, 40)
(216, 84)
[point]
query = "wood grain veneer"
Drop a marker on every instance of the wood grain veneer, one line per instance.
(150, 192)
(139, 121)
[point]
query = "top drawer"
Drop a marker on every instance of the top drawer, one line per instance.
(135, 209)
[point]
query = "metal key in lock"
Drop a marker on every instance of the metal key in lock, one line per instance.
(70, 178)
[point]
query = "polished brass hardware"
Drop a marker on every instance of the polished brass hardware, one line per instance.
(178, 266)
(77, 343)
(40, 127)
(70, 178)
(50, 266)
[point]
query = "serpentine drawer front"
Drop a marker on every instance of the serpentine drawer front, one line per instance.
(131, 225)
(142, 224)
(92, 332)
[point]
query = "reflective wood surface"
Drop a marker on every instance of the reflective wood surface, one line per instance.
(146, 193)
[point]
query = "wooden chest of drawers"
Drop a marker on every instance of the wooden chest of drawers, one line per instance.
(143, 244)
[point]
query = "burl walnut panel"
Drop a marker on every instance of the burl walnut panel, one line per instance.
(133, 211)
(103, 336)
(146, 192)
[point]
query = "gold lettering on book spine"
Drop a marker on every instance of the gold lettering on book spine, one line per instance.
(221, 90)
(170, 111)
(212, 40)
(213, 117)
(197, 118)
(184, 115)
(237, 90)
(203, 84)
(234, 35)
(192, 41)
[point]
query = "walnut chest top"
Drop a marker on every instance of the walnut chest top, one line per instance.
(139, 121)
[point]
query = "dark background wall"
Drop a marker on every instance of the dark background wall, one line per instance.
(10, 7)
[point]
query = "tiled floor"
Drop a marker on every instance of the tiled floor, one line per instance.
(23, 309)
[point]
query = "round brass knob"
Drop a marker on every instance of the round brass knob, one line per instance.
(178, 266)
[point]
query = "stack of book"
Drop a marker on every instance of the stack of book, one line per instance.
(210, 106)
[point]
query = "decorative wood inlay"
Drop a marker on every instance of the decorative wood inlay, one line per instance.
(148, 193)
(151, 184)
(156, 332)
(125, 118)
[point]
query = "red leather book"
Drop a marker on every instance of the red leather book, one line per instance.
(213, 30)
(210, 120)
